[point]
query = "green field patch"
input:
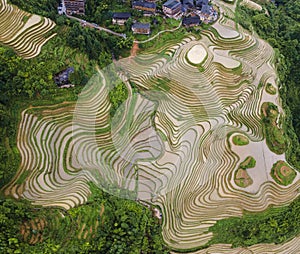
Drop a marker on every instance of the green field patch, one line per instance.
(238, 70)
(249, 162)
(162, 135)
(163, 41)
(25, 18)
(270, 89)
(240, 140)
(282, 173)
(117, 96)
(162, 84)
(22, 177)
(241, 176)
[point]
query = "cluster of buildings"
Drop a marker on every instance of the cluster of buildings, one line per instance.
(190, 8)
(192, 12)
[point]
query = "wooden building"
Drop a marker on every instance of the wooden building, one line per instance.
(75, 7)
(141, 28)
(120, 17)
(191, 21)
(172, 8)
(144, 6)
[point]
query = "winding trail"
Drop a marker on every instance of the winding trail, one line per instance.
(159, 33)
(89, 24)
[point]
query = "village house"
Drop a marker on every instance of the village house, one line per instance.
(148, 13)
(75, 7)
(188, 4)
(191, 21)
(199, 3)
(172, 9)
(141, 28)
(61, 8)
(62, 78)
(144, 6)
(120, 18)
(206, 10)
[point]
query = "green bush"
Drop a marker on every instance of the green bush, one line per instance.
(240, 140)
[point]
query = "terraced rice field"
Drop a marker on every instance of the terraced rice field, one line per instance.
(26, 33)
(252, 5)
(197, 54)
(289, 247)
(171, 144)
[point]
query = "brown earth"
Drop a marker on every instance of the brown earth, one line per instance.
(32, 231)
(285, 171)
(134, 49)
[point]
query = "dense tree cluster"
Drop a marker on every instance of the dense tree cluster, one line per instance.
(117, 96)
(123, 227)
(275, 225)
(98, 45)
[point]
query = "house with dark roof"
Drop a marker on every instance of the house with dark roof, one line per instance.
(188, 4)
(141, 28)
(144, 6)
(206, 10)
(191, 21)
(120, 17)
(62, 78)
(199, 3)
(75, 7)
(172, 8)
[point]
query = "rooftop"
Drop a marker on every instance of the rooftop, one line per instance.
(205, 9)
(138, 25)
(121, 15)
(191, 20)
(144, 4)
(171, 4)
(205, 2)
(188, 3)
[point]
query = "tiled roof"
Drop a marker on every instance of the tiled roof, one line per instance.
(191, 21)
(138, 25)
(121, 15)
(144, 4)
(172, 4)
(205, 9)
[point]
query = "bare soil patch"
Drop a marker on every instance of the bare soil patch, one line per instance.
(135, 48)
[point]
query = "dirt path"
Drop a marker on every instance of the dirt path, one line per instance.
(134, 49)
